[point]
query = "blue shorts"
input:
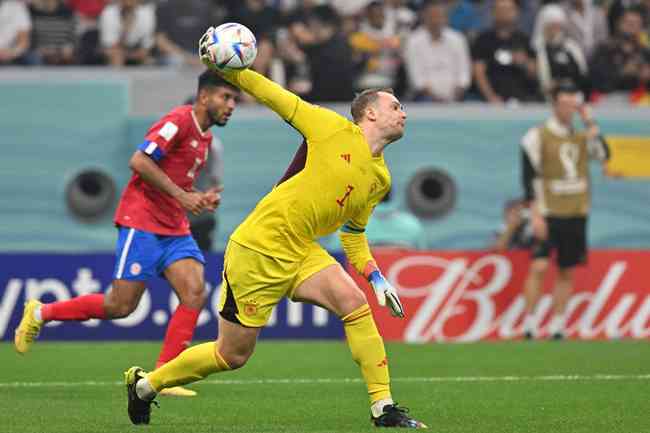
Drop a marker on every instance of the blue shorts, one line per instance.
(141, 255)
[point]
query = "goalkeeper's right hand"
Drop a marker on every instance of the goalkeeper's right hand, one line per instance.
(386, 293)
(204, 52)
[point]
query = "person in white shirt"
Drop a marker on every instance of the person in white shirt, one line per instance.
(15, 27)
(437, 58)
(127, 32)
(587, 24)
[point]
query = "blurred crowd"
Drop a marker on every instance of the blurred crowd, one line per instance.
(499, 51)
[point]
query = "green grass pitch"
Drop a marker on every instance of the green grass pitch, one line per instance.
(541, 386)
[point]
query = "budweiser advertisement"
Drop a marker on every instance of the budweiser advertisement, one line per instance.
(463, 296)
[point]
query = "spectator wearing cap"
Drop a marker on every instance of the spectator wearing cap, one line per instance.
(558, 55)
(437, 58)
(15, 25)
(127, 32)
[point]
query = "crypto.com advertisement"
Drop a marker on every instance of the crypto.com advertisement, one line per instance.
(58, 277)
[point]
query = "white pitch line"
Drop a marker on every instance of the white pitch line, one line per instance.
(308, 381)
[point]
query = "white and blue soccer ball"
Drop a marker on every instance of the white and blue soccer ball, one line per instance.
(229, 46)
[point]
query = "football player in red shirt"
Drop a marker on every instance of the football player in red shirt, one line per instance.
(153, 229)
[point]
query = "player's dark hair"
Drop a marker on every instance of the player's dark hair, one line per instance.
(365, 98)
(563, 86)
(211, 79)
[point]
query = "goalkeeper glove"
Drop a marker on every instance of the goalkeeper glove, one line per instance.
(386, 294)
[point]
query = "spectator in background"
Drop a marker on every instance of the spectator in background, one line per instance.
(87, 13)
(180, 24)
(377, 48)
(616, 65)
(289, 44)
(53, 33)
(332, 74)
(15, 26)
(261, 19)
(527, 11)
(437, 58)
(504, 63)
(516, 231)
(618, 7)
(558, 56)
(392, 227)
(587, 24)
(127, 32)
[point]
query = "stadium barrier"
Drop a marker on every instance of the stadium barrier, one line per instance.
(449, 296)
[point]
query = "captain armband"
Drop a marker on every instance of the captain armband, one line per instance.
(349, 229)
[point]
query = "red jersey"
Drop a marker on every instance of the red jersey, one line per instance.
(179, 147)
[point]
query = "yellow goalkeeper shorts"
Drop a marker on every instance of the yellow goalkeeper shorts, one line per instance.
(253, 283)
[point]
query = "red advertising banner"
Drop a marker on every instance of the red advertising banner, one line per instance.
(462, 296)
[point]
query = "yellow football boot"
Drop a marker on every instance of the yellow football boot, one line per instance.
(29, 327)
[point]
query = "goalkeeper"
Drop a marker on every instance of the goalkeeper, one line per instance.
(335, 180)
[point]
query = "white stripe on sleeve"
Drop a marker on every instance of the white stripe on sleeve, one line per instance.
(151, 148)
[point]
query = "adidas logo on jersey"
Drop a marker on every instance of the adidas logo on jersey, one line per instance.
(346, 157)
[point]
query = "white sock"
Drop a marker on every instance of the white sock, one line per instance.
(37, 314)
(377, 408)
(529, 323)
(557, 324)
(144, 390)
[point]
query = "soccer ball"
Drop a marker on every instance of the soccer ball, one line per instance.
(229, 46)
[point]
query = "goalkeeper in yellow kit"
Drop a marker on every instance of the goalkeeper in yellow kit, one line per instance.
(334, 182)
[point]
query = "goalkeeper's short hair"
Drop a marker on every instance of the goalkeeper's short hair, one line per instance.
(365, 98)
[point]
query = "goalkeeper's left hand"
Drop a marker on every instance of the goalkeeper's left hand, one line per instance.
(386, 293)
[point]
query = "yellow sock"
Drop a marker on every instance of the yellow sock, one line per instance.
(191, 365)
(368, 351)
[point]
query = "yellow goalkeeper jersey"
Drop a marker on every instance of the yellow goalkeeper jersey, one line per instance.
(333, 179)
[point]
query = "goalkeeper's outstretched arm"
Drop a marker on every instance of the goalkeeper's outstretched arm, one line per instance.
(312, 121)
